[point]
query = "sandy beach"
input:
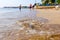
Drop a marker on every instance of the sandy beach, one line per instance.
(12, 29)
(52, 15)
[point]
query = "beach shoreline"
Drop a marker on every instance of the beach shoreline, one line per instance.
(14, 31)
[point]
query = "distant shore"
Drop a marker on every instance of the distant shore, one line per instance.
(17, 7)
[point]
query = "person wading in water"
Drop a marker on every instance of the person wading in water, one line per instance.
(30, 6)
(20, 7)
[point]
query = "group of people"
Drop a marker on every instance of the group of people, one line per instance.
(31, 6)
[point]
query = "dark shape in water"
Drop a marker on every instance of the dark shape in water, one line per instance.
(20, 7)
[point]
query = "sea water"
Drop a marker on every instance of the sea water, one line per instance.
(15, 12)
(9, 16)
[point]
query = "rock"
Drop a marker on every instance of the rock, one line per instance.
(34, 24)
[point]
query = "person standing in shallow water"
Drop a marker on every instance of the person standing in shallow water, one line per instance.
(30, 6)
(20, 7)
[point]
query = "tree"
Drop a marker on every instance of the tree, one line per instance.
(58, 1)
(44, 2)
(51, 2)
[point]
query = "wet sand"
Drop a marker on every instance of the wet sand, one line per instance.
(52, 15)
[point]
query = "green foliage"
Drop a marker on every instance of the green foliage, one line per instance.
(47, 2)
(58, 1)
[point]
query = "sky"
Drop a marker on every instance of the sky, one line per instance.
(17, 2)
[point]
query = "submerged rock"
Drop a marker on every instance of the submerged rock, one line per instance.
(31, 29)
(34, 24)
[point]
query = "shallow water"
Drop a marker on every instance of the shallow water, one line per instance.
(9, 16)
